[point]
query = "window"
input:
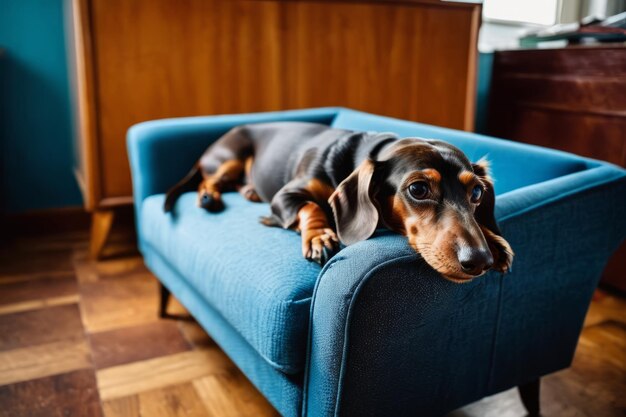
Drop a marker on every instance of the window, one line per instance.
(539, 12)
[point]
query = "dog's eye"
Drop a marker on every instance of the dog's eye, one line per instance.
(477, 193)
(418, 190)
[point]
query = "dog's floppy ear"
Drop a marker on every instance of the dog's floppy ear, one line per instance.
(485, 217)
(356, 215)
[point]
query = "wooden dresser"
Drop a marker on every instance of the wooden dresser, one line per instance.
(573, 99)
(137, 60)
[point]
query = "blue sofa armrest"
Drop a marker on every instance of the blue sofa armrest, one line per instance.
(161, 152)
(389, 336)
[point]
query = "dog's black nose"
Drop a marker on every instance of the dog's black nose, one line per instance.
(209, 203)
(475, 261)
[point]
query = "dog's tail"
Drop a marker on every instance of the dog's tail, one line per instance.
(190, 182)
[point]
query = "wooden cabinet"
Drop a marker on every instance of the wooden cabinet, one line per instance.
(573, 99)
(138, 60)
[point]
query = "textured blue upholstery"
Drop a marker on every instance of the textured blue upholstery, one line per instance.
(377, 331)
(444, 344)
(283, 390)
(253, 275)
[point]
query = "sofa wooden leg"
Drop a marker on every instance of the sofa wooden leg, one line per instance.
(529, 394)
(165, 298)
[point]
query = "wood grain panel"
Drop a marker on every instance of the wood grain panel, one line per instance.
(123, 380)
(118, 347)
(40, 326)
(159, 58)
(43, 360)
(232, 395)
(378, 58)
(582, 134)
(119, 302)
(122, 407)
(37, 289)
(39, 303)
(39, 262)
(175, 401)
(192, 58)
(572, 99)
(72, 394)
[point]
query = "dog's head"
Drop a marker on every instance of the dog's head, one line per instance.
(430, 192)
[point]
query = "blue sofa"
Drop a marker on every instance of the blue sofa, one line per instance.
(377, 331)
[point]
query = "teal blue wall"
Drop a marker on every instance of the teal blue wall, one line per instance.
(483, 86)
(35, 114)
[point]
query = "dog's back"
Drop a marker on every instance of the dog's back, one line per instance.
(282, 151)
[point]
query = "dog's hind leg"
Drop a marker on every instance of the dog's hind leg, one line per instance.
(226, 178)
(221, 168)
(249, 193)
(224, 167)
(247, 190)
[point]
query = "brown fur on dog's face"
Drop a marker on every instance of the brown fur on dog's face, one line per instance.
(431, 193)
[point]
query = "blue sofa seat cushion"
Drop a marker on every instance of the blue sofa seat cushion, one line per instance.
(253, 275)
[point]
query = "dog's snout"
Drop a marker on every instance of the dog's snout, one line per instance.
(475, 261)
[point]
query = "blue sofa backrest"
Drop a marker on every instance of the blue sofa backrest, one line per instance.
(513, 165)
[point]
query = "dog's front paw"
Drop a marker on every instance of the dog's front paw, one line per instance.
(320, 245)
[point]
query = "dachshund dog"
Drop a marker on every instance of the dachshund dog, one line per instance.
(336, 185)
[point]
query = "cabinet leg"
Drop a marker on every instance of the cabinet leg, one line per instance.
(529, 394)
(101, 222)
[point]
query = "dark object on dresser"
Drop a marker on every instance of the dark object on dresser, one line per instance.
(572, 99)
(589, 30)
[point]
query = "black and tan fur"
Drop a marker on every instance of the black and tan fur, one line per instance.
(336, 185)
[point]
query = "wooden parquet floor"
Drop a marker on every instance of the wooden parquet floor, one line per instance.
(82, 338)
